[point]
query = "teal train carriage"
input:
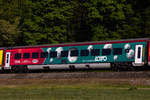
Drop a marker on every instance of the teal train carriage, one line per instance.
(122, 54)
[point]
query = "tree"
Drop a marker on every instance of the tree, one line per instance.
(81, 30)
(56, 21)
(108, 19)
(9, 33)
(10, 12)
(47, 21)
(139, 20)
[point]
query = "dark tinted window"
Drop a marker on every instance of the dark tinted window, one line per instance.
(35, 55)
(7, 56)
(139, 52)
(117, 51)
(26, 55)
(74, 53)
(95, 52)
(17, 56)
(84, 53)
(106, 52)
(53, 54)
(64, 53)
(44, 54)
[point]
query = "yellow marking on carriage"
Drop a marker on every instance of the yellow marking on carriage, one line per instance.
(1, 57)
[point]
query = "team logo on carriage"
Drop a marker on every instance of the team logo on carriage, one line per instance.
(34, 61)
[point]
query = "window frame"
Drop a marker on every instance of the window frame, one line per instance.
(44, 55)
(84, 53)
(115, 52)
(26, 56)
(95, 52)
(74, 53)
(53, 54)
(106, 53)
(64, 53)
(35, 53)
(17, 57)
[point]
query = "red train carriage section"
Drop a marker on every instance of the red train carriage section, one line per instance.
(25, 56)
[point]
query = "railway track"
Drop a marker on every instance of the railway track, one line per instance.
(77, 75)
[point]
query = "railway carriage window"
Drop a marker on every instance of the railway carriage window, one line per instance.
(53, 54)
(26, 55)
(44, 54)
(84, 53)
(117, 51)
(64, 53)
(139, 52)
(74, 53)
(106, 52)
(35, 55)
(7, 58)
(17, 56)
(95, 52)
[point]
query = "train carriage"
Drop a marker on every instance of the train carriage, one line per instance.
(103, 54)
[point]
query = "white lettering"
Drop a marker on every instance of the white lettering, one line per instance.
(17, 61)
(25, 61)
(101, 58)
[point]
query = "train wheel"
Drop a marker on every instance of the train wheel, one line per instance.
(72, 67)
(25, 69)
(131, 68)
(117, 67)
(19, 69)
(114, 67)
(14, 69)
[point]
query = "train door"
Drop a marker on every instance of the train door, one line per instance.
(138, 54)
(7, 60)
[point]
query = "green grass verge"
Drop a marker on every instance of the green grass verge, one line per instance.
(50, 90)
(67, 93)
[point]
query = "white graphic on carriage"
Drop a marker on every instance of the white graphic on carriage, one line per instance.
(101, 58)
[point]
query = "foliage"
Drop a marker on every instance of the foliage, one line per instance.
(9, 32)
(47, 21)
(30, 22)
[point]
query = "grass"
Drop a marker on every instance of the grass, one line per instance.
(71, 89)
